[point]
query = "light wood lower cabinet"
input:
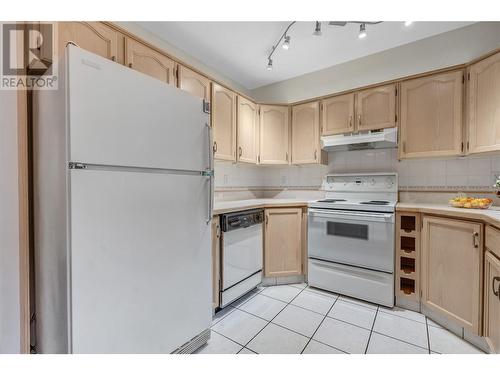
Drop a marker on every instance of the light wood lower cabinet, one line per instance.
(484, 105)
(194, 83)
(306, 148)
(283, 242)
(95, 37)
(452, 254)
(146, 60)
(431, 116)
(224, 123)
(492, 301)
(248, 131)
(337, 114)
(274, 135)
(376, 108)
(215, 261)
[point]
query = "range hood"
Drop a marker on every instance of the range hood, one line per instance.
(384, 138)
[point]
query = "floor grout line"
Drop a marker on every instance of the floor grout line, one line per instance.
(316, 330)
(428, 339)
(371, 331)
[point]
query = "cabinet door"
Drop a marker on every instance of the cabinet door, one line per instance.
(194, 83)
(224, 123)
(451, 270)
(146, 60)
(248, 131)
(337, 115)
(95, 37)
(305, 133)
(484, 105)
(376, 108)
(215, 261)
(274, 135)
(283, 242)
(431, 116)
(492, 301)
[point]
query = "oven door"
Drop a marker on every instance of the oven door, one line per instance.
(363, 239)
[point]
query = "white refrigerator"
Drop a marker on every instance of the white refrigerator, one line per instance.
(123, 180)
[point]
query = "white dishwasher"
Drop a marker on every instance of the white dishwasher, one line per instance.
(242, 253)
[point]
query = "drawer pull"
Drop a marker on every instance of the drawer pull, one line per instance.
(496, 292)
(475, 239)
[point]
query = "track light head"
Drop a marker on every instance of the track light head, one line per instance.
(317, 29)
(286, 42)
(269, 64)
(362, 31)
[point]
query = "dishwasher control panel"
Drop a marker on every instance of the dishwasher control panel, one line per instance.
(241, 219)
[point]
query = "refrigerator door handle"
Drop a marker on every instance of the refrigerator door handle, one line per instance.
(210, 173)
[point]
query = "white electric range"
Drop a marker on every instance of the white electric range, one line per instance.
(351, 236)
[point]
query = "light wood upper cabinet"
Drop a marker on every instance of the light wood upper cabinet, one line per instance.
(492, 302)
(194, 83)
(376, 108)
(274, 134)
(431, 116)
(283, 242)
(248, 131)
(146, 60)
(484, 105)
(452, 252)
(305, 134)
(337, 114)
(224, 123)
(94, 37)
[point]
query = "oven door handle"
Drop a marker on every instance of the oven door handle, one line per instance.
(331, 214)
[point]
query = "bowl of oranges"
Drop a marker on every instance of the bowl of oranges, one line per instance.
(471, 202)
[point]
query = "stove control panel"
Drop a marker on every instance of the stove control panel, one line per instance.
(380, 182)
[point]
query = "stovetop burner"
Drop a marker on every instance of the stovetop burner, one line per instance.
(376, 203)
(330, 200)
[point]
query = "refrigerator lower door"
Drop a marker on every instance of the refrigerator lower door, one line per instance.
(140, 263)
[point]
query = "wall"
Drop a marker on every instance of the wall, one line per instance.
(137, 30)
(454, 47)
(9, 230)
(471, 173)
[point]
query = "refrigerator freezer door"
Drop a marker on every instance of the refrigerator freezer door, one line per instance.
(118, 116)
(139, 260)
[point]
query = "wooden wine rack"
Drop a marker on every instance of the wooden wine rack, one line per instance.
(407, 273)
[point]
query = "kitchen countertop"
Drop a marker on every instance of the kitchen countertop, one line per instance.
(222, 207)
(490, 216)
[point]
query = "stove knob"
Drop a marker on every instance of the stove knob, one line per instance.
(389, 182)
(372, 182)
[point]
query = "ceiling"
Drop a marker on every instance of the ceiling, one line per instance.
(239, 50)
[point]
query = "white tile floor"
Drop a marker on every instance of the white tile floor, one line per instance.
(297, 319)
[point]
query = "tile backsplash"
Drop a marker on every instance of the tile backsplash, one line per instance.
(458, 173)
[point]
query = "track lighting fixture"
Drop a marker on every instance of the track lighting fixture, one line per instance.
(286, 42)
(362, 31)
(285, 39)
(269, 64)
(317, 29)
(408, 23)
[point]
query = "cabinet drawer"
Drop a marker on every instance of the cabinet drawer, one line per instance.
(492, 240)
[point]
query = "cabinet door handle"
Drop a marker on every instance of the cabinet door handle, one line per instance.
(496, 292)
(350, 121)
(359, 120)
(240, 151)
(315, 154)
(129, 65)
(475, 239)
(287, 156)
(215, 147)
(267, 219)
(113, 58)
